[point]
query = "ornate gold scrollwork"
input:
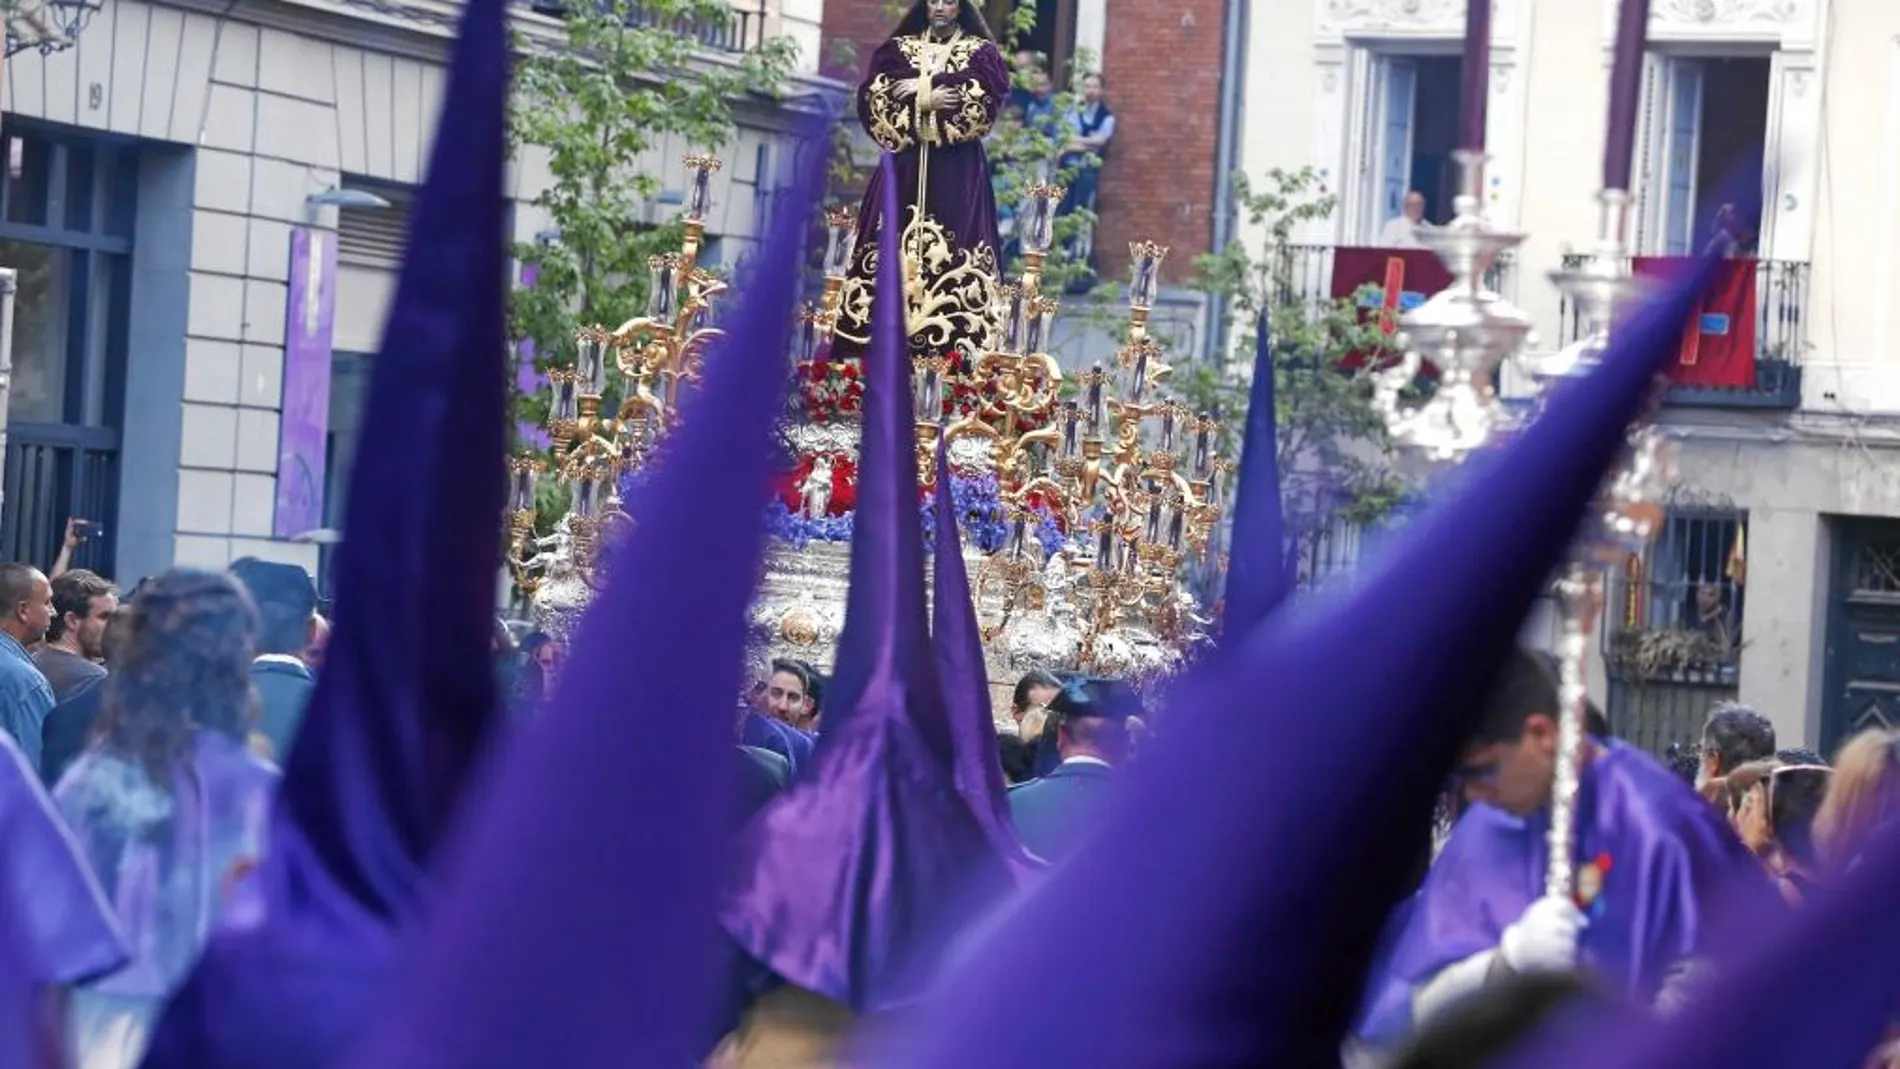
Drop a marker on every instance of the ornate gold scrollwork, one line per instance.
(948, 291)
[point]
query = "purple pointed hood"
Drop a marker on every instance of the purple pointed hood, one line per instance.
(1277, 883)
(958, 642)
(406, 699)
(844, 878)
(591, 857)
(1258, 576)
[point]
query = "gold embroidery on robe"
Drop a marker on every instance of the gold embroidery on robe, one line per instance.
(971, 120)
(890, 124)
(950, 301)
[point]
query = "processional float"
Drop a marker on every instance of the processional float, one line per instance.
(1081, 501)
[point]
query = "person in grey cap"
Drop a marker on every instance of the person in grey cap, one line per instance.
(287, 606)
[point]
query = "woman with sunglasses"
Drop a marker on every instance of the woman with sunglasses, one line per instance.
(1773, 807)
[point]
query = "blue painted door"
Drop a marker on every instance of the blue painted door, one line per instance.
(1863, 635)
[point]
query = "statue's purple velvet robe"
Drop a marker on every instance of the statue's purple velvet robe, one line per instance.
(1668, 854)
(957, 195)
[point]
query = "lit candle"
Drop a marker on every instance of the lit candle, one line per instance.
(929, 399)
(524, 486)
(1176, 525)
(587, 497)
(701, 202)
(1477, 74)
(807, 334)
(660, 286)
(1071, 443)
(566, 406)
(1033, 328)
(1018, 537)
(1153, 533)
(1626, 88)
(1203, 451)
(1139, 382)
(590, 362)
(838, 243)
(1097, 412)
(1014, 314)
(1105, 548)
(1039, 223)
(1167, 429)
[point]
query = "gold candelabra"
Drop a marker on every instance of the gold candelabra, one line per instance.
(655, 353)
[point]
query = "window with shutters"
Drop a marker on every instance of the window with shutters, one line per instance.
(373, 237)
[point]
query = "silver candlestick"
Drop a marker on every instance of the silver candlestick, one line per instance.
(1466, 331)
(1623, 518)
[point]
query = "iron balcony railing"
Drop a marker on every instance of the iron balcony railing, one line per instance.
(56, 472)
(742, 30)
(1781, 302)
(1308, 273)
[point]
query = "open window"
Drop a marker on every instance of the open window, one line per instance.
(1704, 122)
(1409, 128)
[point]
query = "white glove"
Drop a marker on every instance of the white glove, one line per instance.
(1544, 939)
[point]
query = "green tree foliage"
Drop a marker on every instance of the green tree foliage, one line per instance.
(628, 76)
(1333, 447)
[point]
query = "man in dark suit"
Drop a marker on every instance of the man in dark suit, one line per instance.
(287, 610)
(1052, 813)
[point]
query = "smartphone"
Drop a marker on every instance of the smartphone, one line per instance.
(83, 529)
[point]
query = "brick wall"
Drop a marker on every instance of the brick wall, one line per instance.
(863, 23)
(1161, 64)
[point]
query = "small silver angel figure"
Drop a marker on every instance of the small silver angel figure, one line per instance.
(816, 489)
(556, 552)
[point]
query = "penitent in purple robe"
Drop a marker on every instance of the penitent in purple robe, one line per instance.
(167, 858)
(939, 164)
(1654, 854)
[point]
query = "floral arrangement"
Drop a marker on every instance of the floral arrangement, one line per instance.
(978, 501)
(832, 390)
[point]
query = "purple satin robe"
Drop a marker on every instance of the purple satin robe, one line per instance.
(944, 153)
(167, 861)
(1663, 856)
(60, 923)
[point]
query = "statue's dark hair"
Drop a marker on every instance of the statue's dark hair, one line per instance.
(969, 16)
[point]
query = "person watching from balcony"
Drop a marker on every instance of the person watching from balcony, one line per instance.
(1093, 128)
(1725, 237)
(1023, 66)
(1402, 231)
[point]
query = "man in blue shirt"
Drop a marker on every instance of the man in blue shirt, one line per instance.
(26, 611)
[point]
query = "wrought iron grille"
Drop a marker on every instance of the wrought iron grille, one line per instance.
(1673, 624)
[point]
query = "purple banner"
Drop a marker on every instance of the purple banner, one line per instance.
(309, 327)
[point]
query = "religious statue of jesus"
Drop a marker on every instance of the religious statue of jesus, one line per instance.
(933, 92)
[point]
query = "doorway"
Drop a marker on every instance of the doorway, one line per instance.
(1863, 632)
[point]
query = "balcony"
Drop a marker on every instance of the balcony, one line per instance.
(1781, 297)
(742, 31)
(1311, 269)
